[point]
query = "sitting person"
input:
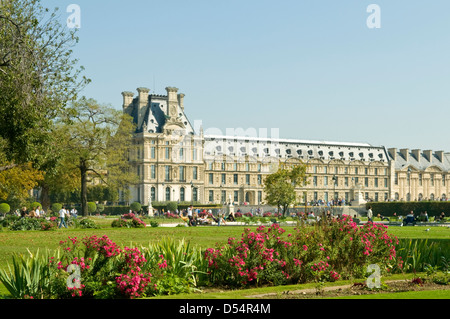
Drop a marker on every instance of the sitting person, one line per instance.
(230, 217)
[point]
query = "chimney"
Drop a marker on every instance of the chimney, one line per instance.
(393, 153)
(428, 154)
(440, 155)
(181, 100)
(416, 154)
(127, 101)
(405, 153)
(172, 101)
(142, 103)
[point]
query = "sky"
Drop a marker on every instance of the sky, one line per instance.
(310, 70)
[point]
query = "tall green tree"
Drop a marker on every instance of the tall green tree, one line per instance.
(98, 141)
(280, 186)
(38, 77)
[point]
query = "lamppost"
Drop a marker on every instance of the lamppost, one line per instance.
(192, 193)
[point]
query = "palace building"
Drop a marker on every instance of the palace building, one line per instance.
(176, 161)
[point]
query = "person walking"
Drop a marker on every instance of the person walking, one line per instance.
(369, 214)
(62, 215)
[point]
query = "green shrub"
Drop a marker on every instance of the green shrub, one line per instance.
(135, 206)
(35, 204)
(100, 208)
(120, 222)
(4, 208)
(27, 224)
(56, 207)
(172, 206)
(85, 223)
(433, 208)
(92, 207)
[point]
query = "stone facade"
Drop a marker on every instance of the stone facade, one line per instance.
(176, 163)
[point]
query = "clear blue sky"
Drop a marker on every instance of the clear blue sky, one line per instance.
(312, 69)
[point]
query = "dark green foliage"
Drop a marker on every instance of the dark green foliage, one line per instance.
(433, 208)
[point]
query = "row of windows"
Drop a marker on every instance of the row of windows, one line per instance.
(420, 179)
(169, 197)
(355, 170)
(235, 179)
(355, 180)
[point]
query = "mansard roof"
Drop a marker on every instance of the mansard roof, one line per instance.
(292, 148)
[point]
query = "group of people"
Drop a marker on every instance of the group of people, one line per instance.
(34, 212)
(205, 217)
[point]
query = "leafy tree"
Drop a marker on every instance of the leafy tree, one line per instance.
(38, 76)
(97, 142)
(280, 186)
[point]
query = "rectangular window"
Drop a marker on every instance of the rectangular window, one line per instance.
(182, 173)
(194, 154)
(259, 197)
(375, 182)
(211, 178)
(210, 166)
(259, 179)
(432, 179)
(247, 179)
(325, 180)
(235, 179)
(195, 172)
(366, 181)
(167, 173)
(223, 166)
(314, 180)
(356, 170)
(224, 179)
(152, 171)
(152, 152)
(376, 197)
(167, 152)
(181, 154)
(376, 171)
(385, 182)
(346, 181)
(247, 167)
(396, 179)
(223, 196)
(325, 169)
(211, 196)
(236, 196)
(443, 179)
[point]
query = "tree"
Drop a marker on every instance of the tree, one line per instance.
(98, 141)
(280, 186)
(38, 76)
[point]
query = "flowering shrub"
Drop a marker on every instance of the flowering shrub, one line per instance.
(238, 214)
(105, 270)
(339, 249)
(129, 221)
(171, 215)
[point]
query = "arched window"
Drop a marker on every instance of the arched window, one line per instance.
(431, 196)
(182, 195)
(167, 193)
(195, 194)
(153, 194)
(397, 196)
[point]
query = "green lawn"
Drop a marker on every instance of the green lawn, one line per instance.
(203, 236)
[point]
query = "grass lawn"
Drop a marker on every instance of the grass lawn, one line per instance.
(204, 236)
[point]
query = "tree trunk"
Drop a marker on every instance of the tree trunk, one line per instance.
(45, 197)
(84, 207)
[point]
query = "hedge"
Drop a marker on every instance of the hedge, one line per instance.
(433, 208)
(120, 210)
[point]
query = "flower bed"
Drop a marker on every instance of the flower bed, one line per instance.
(269, 256)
